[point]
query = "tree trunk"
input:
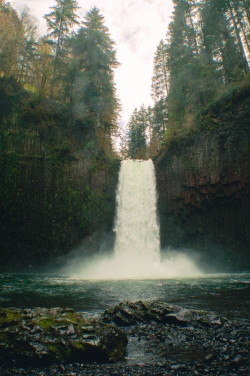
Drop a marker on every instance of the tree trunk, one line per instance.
(43, 82)
(56, 57)
(226, 74)
(22, 66)
(243, 56)
(243, 30)
(165, 74)
(246, 7)
(194, 33)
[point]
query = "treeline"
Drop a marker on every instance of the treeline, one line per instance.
(205, 56)
(58, 114)
(73, 68)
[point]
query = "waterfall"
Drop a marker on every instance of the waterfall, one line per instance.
(136, 253)
(137, 230)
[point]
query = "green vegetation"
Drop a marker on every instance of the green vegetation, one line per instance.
(201, 70)
(8, 318)
(58, 111)
(137, 135)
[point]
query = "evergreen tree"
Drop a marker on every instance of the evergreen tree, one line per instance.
(185, 67)
(28, 50)
(93, 92)
(159, 118)
(60, 21)
(137, 139)
(190, 7)
(219, 40)
(160, 76)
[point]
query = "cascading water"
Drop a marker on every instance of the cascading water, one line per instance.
(137, 230)
(137, 244)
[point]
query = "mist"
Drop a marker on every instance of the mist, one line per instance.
(105, 265)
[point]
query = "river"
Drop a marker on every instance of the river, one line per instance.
(227, 294)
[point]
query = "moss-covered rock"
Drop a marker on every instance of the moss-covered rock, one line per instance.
(43, 336)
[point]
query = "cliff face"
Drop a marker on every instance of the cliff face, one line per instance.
(48, 208)
(204, 202)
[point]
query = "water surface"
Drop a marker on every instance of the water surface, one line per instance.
(227, 294)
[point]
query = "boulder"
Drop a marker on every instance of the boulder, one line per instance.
(129, 314)
(42, 336)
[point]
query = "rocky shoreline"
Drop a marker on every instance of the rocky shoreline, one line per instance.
(140, 338)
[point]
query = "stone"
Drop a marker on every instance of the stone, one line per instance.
(172, 319)
(128, 314)
(209, 357)
(71, 329)
(237, 359)
(51, 337)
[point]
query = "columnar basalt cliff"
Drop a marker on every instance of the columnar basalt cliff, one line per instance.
(48, 208)
(203, 186)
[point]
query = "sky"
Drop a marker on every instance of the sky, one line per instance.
(136, 26)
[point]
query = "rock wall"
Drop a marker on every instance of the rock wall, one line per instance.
(204, 203)
(48, 207)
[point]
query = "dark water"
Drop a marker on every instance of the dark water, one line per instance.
(227, 294)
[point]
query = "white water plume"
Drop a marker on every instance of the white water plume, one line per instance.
(137, 230)
(137, 243)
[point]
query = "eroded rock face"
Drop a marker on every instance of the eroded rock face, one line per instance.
(43, 336)
(203, 185)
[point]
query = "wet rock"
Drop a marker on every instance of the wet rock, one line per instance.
(71, 329)
(128, 314)
(173, 319)
(237, 359)
(176, 367)
(56, 335)
(209, 357)
(164, 339)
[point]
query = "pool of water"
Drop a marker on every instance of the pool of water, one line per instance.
(228, 294)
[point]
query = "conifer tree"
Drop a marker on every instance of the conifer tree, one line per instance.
(60, 21)
(28, 50)
(94, 99)
(137, 139)
(219, 40)
(160, 76)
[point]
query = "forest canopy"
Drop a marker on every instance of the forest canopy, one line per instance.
(67, 74)
(205, 55)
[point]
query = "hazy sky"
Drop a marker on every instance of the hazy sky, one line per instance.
(136, 26)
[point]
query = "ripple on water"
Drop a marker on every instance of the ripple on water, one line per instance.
(227, 294)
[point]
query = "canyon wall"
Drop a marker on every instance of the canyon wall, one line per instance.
(48, 207)
(204, 202)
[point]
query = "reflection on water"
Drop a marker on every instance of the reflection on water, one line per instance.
(228, 294)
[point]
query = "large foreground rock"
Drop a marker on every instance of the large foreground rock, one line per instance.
(43, 336)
